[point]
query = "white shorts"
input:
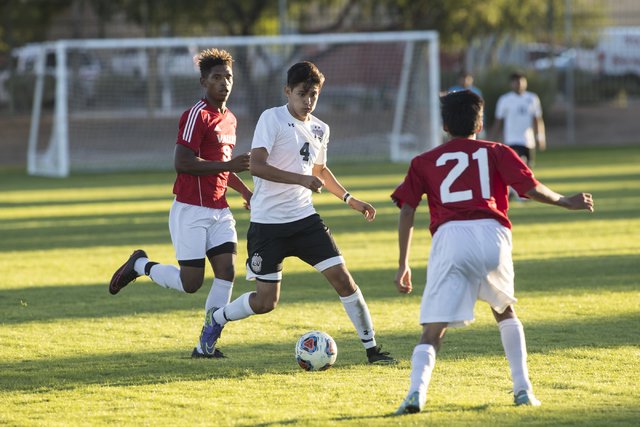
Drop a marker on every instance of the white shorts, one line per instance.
(469, 261)
(196, 229)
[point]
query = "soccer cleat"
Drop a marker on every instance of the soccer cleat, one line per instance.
(526, 398)
(126, 274)
(411, 405)
(377, 357)
(210, 333)
(217, 354)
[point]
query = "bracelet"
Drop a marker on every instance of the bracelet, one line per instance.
(346, 197)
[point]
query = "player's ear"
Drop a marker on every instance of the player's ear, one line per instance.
(287, 91)
(203, 82)
(445, 127)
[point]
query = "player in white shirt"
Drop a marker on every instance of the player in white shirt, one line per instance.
(288, 164)
(519, 118)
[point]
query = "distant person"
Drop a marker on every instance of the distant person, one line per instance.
(466, 181)
(465, 82)
(289, 164)
(200, 222)
(518, 120)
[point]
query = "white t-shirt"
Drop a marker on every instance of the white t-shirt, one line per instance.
(294, 146)
(518, 112)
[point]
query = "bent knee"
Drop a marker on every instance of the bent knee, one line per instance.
(191, 287)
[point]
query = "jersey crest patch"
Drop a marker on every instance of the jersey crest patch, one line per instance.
(317, 131)
(256, 263)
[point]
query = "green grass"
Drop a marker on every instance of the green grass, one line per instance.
(72, 354)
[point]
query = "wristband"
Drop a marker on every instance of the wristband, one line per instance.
(346, 197)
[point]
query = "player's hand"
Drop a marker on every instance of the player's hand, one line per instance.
(247, 200)
(240, 163)
(312, 182)
(403, 280)
(580, 201)
(363, 207)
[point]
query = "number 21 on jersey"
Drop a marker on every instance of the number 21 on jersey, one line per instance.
(462, 163)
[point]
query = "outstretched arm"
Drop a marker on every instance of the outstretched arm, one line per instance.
(262, 169)
(542, 194)
(405, 232)
(186, 161)
(237, 184)
(335, 188)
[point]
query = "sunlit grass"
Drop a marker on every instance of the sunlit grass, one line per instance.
(71, 354)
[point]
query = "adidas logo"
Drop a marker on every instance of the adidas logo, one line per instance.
(217, 129)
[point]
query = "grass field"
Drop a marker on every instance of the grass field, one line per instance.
(72, 354)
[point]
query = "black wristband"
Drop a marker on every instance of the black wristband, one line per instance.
(346, 197)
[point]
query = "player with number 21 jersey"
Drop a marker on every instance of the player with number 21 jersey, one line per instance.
(464, 181)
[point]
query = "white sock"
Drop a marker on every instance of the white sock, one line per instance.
(139, 265)
(422, 363)
(358, 312)
(219, 295)
(515, 348)
(167, 276)
(237, 309)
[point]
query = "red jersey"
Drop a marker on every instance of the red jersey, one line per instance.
(465, 179)
(212, 135)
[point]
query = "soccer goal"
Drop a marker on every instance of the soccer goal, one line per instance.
(116, 103)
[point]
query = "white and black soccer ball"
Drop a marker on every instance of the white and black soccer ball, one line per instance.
(316, 351)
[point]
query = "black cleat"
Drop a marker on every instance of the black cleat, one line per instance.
(217, 354)
(126, 274)
(377, 357)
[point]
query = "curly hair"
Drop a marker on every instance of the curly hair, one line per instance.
(210, 58)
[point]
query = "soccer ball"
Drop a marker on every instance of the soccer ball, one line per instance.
(316, 351)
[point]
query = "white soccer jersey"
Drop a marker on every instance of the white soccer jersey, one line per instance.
(294, 146)
(518, 112)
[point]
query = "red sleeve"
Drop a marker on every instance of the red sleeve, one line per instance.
(192, 130)
(515, 172)
(410, 191)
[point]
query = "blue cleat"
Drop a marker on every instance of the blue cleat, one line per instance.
(412, 404)
(526, 398)
(210, 333)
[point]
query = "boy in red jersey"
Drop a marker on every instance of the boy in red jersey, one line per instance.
(466, 182)
(200, 221)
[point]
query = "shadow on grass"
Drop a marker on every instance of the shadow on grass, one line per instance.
(565, 276)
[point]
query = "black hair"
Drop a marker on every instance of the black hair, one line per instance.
(210, 58)
(517, 75)
(462, 112)
(304, 72)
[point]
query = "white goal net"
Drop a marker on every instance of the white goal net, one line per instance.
(116, 103)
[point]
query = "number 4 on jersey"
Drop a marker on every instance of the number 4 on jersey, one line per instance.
(304, 152)
(462, 158)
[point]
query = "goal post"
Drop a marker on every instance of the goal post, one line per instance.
(116, 102)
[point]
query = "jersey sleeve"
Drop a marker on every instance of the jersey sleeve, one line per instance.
(410, 191)
(322, 155)
(537, 109)
(500, 108)
(192, 130)
(515, 172)
(266, 130)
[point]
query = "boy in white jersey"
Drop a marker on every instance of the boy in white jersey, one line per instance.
(518, 120)
(466, 181)
(288, 163)
(200, 221)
